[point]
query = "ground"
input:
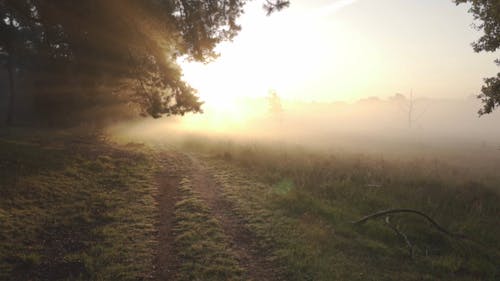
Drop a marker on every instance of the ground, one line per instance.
(87, 208)
(188, 187)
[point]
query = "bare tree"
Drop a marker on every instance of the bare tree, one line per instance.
(409, 107)
(275, 106)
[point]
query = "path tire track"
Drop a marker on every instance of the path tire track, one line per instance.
(166, 262)
(243, 242)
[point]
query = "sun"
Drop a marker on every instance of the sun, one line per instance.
(300, 59)
(270, 53)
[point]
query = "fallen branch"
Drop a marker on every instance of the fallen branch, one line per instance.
(401, 234)
(392, 211)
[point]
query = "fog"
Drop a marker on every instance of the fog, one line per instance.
(360, 124)
(445, 131)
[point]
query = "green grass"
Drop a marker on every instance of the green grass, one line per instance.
(301, 204)
(75, 209)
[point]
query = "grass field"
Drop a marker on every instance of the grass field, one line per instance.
(303, 202)
(84, 208)
(75, 209)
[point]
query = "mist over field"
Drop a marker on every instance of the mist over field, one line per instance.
(445, 132)
(378, 125)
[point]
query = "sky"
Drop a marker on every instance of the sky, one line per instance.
(345, 50)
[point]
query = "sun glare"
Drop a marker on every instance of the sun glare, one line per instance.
(271, 53)
(302, 54)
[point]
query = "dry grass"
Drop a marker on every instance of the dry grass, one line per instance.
(301, 204)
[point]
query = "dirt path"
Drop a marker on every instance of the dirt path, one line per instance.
(243, 242)
(173, 167)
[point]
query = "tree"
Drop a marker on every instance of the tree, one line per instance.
(93, 53)
(487, 13)
(408, 106)
(274, 101)
(15, 43)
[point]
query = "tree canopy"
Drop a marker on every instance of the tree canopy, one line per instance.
(487, 14)
(76, 56)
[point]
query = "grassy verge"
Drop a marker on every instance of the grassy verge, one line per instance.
(305, 202)
(75, 209)
(203, 248)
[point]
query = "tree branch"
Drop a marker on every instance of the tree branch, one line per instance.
(392, 211)
(401, 234)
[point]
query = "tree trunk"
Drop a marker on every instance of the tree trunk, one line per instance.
(12, 92)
